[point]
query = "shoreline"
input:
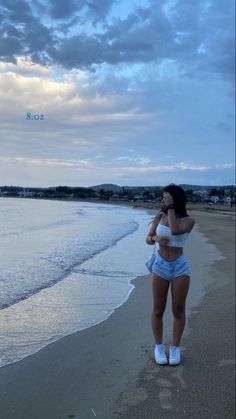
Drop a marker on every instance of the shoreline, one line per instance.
(23, 326)
(108, 369)
(131, 284)
(221, 208)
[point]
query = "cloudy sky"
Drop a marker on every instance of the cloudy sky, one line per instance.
(132, 92)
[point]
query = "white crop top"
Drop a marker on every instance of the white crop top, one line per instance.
(178, 240)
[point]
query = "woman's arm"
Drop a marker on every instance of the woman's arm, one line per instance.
(176, 226)
(152, 231)
(184, 226)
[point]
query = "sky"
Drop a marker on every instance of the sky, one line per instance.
(131, 92)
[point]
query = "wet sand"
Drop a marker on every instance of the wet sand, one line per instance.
(108, 371)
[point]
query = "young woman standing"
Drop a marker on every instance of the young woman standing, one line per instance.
(170, 229)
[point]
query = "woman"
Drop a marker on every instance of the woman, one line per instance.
(170, 229)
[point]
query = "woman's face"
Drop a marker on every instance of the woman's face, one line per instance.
(167, 198)
(163, 205)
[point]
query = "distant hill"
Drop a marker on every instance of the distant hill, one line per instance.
(195, 187)
(140, 189)
(107, 187)
(205, 187)
(117, 188)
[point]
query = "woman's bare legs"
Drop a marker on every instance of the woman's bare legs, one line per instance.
(160, 291)
(179, 291)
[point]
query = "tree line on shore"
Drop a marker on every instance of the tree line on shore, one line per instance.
(145, 194)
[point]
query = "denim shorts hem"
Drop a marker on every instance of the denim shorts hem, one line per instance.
(171, 270)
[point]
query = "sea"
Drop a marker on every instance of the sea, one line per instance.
(65, 266)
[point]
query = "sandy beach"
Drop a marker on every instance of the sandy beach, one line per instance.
(108, 371)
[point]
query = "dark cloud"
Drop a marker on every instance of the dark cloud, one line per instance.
(141, 37)
(23, 33)
(64, 8)
(37, 37)
(9, 48)
(197, 35)
(17, 11)
(144, 36)
(205, 35)
(78, 51)
(10, 30)
(65, 26)
(99, 9)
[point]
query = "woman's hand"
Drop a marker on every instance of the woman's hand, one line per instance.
(162, 240)
(149, 240)
(168, 201)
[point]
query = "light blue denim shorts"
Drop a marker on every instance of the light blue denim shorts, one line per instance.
(170, 270)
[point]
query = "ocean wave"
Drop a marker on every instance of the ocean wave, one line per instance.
(32, 276)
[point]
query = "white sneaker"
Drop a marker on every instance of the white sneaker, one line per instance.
(160, 355)
(175, 356)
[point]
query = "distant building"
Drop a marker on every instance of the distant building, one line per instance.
(201, 192)
(26, 193)
(215, 199)
(138, 197)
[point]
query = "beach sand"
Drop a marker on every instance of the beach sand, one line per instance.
(108, 371)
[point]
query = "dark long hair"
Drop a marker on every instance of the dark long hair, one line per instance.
(179, 198)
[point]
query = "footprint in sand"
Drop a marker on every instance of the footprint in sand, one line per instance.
(164, 383)
(135, 396)
(226, 363)
(165, 394)
(177, 373)
(165, 398)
